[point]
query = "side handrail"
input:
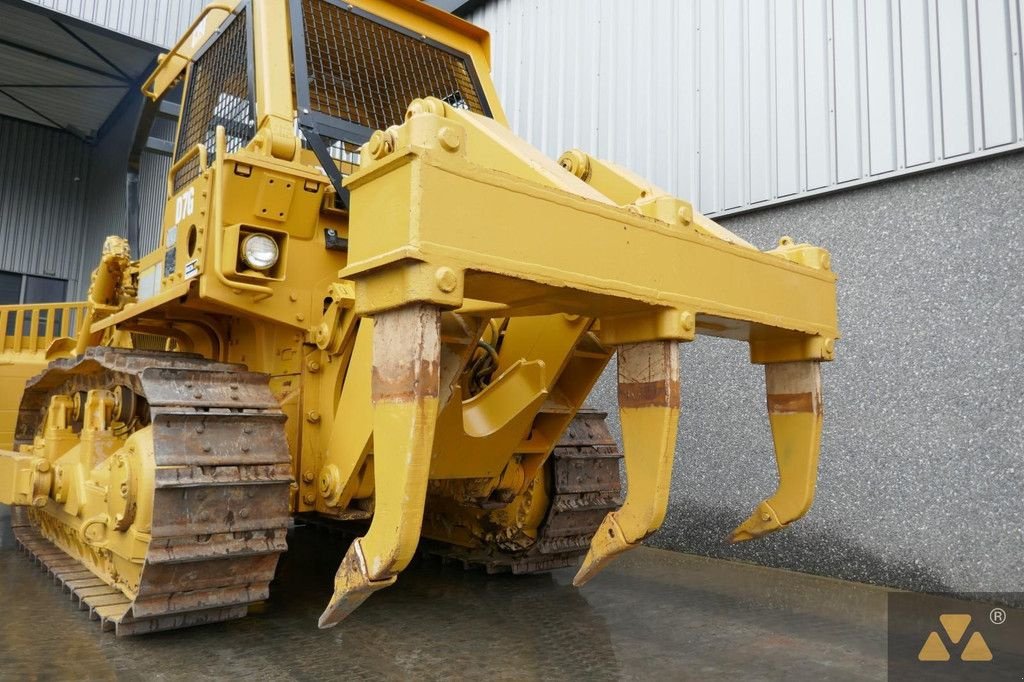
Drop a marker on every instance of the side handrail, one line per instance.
(176, 50)
(32, 328)
(198, 150)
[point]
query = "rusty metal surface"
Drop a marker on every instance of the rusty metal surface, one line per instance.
(220, 505)
(652, 615)
(585, 486)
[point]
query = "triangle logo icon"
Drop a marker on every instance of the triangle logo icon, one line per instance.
(955, 625)
(976, 649)
(933, 649)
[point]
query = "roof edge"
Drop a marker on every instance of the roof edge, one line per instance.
(468, 7)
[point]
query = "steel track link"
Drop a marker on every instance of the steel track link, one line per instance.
(585, 486)
(220, 503)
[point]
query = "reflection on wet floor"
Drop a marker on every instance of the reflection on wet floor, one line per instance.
(652, 615)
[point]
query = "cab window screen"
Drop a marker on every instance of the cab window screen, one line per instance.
(217, 94)
(366, 72)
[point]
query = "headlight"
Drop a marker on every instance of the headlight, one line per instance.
(259, 252)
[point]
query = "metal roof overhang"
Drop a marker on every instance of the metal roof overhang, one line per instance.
(61, 72)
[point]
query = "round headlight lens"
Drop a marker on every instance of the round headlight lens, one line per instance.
(259, 252)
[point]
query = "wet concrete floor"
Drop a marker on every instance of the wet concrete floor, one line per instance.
(653, 614)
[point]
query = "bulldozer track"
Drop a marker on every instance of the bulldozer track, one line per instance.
(220, 500)
(585, 486)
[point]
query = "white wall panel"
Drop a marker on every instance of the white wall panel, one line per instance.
(880, 76)
(759, 104)
(955, 78)
(738, 103)
(915, 38)
(846, 84)
(818, 155)
(996, 62)
(786, 67)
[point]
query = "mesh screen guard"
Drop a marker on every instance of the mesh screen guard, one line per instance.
(356, 73)
(218, 93)
(365, 72)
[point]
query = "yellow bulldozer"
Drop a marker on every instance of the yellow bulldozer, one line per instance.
(372, 304)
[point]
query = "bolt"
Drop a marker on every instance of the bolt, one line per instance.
(206, 448)
(244, 514)
(686, 321)
(381, 144)
(425, 106)
(42, 466)
(686, 214)
(313, 417)
(449, 138)
(300, 317)
(200, 428)
(766, 517)
(246, 429)
(197, 395)
(204, 516)
(293, 297)
(308, 476)
(446, 279)
(309, 498)
(313, 366)
(577, 163)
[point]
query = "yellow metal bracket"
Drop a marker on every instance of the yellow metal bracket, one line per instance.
(27, 478)
(449, 207)
(795, 412)
(649, 409)
(406, 385)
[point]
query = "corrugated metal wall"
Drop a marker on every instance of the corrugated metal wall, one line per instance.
(153, 199)
(736, 103)
(160, 22)
(43, 181)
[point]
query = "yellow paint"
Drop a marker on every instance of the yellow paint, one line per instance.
(955, 625)
(451, 213)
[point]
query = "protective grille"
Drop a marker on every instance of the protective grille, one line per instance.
(367, 73)
(142, 341)
(218, 94)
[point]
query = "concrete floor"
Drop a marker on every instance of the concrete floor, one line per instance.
(653, 615)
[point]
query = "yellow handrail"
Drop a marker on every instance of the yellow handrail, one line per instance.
(198, 150)
(225, 7)
(32, 328)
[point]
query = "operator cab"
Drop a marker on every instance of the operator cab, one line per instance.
(355, 70)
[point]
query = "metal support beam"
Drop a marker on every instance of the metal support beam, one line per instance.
(81, 41)
(61, 60)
